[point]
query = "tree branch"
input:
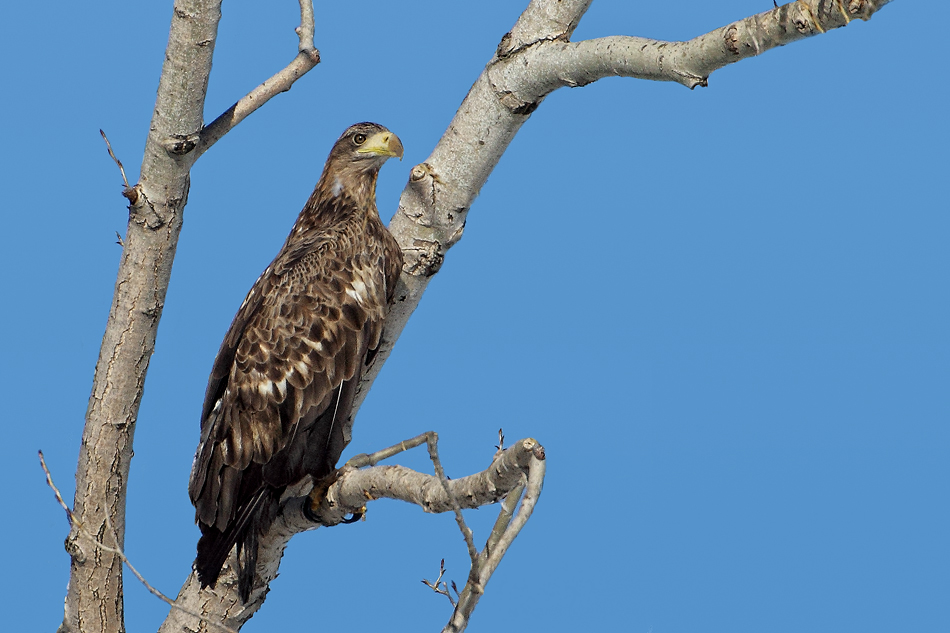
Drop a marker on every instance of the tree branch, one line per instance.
(503, 534)
(307, 58)
(349, 494)
(535, 58)
(546, 65)
(94, 599)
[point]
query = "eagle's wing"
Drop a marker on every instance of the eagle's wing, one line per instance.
(297, 340)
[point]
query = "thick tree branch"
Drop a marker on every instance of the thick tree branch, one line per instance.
(94, 599)
(535, 58)
(434, 205)
(547, 64)
(304, 62)
(520, 466)
(98, 544)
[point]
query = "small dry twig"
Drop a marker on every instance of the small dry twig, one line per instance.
(117, 161)
(511, 519)
(440, 587)
(59, 497)
(128, 192)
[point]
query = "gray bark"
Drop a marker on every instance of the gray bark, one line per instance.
(94, 600)
(177, 137)
(512, 470)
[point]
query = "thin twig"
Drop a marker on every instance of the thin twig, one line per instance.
(432, 440)
(59, 497)
(118, 551)
(128, 192)
(440, 587)
(363, 460)
(117, 161)
(307, 58)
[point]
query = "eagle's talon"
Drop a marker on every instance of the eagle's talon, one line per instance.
(356, 516)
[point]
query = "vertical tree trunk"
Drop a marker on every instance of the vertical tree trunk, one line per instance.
(94, 597)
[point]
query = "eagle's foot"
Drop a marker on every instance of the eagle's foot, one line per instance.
(319, 493)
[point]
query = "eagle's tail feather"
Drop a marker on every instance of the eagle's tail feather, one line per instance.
(214, 547)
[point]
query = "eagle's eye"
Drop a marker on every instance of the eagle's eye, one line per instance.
(359, 139)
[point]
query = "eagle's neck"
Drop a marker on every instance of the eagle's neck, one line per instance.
(342, 193)
(354, 181)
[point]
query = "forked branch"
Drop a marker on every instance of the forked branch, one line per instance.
(517, 468)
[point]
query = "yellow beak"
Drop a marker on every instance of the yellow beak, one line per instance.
(382, 144)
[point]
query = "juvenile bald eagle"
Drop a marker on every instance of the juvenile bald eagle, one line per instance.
(281, 390)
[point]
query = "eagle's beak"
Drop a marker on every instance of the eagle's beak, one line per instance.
(382, 144)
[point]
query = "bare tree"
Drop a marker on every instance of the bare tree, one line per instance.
(533, 59)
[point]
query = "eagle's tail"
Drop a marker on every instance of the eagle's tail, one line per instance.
(214, 546)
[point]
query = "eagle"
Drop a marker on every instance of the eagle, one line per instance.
(279, 398)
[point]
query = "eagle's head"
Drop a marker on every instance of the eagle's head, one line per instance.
(354, 163)
(364, 147)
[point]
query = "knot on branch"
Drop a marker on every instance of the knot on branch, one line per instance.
(420, 204)
(424, 257)
(180, 144)
(510, 45)
(861, 9)
(142, 211)
(440, 226)
(134, 195)
(72, 547)
(515, 105)
(731, 38)
(312, 54)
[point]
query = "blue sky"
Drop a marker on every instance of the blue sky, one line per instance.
(723, 311)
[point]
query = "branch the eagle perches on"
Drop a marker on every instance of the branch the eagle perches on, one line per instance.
(533, 59)
(515, 475)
